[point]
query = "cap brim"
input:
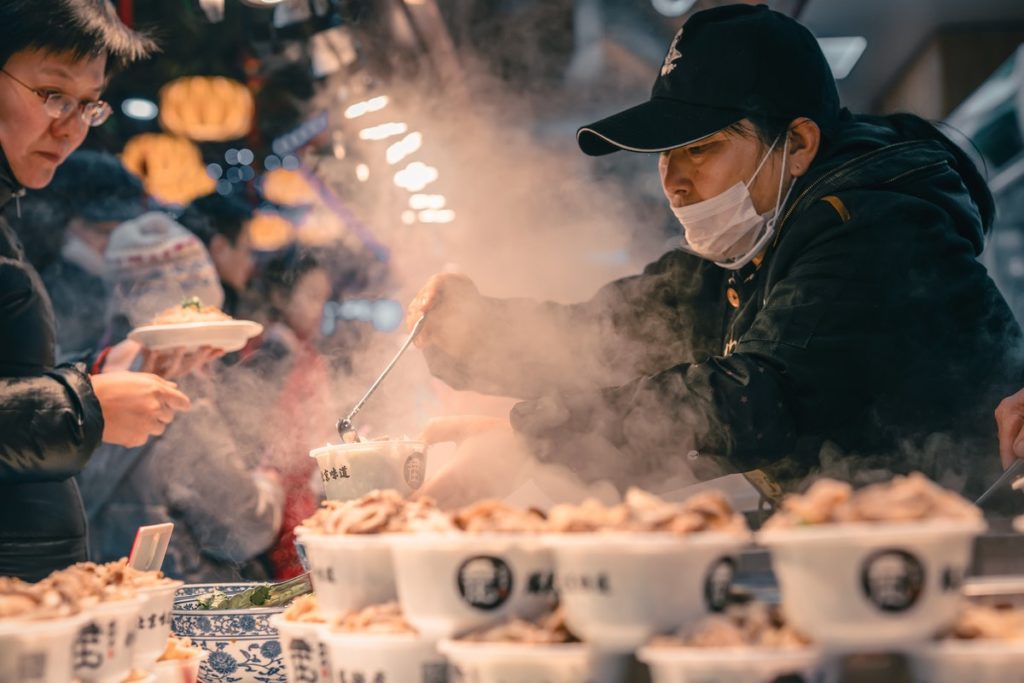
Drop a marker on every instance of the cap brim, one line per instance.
(657, 125)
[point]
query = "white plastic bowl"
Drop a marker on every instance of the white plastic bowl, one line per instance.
(452, 583)
(154, 622)
(351, 470)
(349, 571)
(38, 651)
(105, 646)
(728, 665)
(871, 586)
(306, 656)
(619, 589)
(403, 658)
(471, 662)
(973, 661)
(179, 670)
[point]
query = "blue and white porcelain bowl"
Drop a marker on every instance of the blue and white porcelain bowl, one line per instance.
(243, 646)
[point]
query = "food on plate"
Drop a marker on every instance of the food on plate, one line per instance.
(988, 622)
(548, 629)
(179, 649)
(380, 511)
(495, 516)
(646, 512)
(385, 619)
(33, 601)
(754, 624)
(903, 499)
(191, 310)
(263, 595)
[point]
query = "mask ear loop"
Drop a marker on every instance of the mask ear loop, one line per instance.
(782, 180)
(764, 160)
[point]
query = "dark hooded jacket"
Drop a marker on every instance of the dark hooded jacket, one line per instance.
(868, 341)
(50, 422)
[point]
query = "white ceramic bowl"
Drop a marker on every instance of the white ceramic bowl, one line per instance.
(179, 670)
(154, 622)
(350, 571)
(105, 646)
(968, 661)
(453, 583)
(870, 586)
(351, 470)
(306, 657)
(38, 651)
(403, 658)
(728, 665)
(470, 662)
(619, 589)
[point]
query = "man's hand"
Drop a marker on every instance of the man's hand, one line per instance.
(449, 299)
(489, 465)
(136, 406)
(168, 363)
(1010, 418)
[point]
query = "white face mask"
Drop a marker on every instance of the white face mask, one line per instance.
(727, 229)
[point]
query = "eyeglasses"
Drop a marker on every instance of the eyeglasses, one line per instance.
(58, 105)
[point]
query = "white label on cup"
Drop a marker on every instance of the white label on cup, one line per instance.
(892, 580)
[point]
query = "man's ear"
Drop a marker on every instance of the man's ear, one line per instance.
(804, 143)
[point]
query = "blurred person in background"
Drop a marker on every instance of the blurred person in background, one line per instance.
(97, 193)
(222, 223)
(825, 313)
(225, 513)
(55, 58)
(291, 381)
(38, 224)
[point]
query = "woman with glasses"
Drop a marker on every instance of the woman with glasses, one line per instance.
(55, 57)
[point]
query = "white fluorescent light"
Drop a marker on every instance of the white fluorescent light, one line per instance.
(140, 109)
(383, 131)
(842, 53)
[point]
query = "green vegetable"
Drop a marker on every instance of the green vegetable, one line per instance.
(264, 595)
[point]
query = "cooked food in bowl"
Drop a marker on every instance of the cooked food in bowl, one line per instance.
(985, 645)
(749, 643)
(494, 516)
(989, 622)
(377, 512)
(191, 310)
(643, 567)
(754, 624)
(642, 511)
(549, 628)
(903, 499)
(178, 649)
(881, 567)
(385, 618)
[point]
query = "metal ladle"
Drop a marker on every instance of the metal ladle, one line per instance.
(345, 423)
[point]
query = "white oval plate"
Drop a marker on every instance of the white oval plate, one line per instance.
(226, 335)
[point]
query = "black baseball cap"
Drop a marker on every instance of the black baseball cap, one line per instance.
(724, 64)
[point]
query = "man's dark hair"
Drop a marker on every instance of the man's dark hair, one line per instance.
(216, 214)
(81, 28)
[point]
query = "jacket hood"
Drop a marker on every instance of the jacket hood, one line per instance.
(884, 152)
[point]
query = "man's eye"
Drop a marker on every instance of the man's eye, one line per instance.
(697, 149)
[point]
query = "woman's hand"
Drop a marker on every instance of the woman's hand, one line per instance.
(136, 406)
(167, 363)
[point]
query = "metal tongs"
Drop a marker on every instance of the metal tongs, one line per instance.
(345, 423)
(1005, 479)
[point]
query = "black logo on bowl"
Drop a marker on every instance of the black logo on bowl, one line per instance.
(485, 582)
(415, 469)
(718, 582)
(893, 580)
(952, 579)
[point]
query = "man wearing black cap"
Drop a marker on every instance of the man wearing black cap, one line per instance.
(824, 312)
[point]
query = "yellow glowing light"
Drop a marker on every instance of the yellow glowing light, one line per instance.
(437, 216)
(362, 173)
(404, 147)
(383, 131)
(362, 108)
(415, 176)
(408, 217)
(426, 201)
